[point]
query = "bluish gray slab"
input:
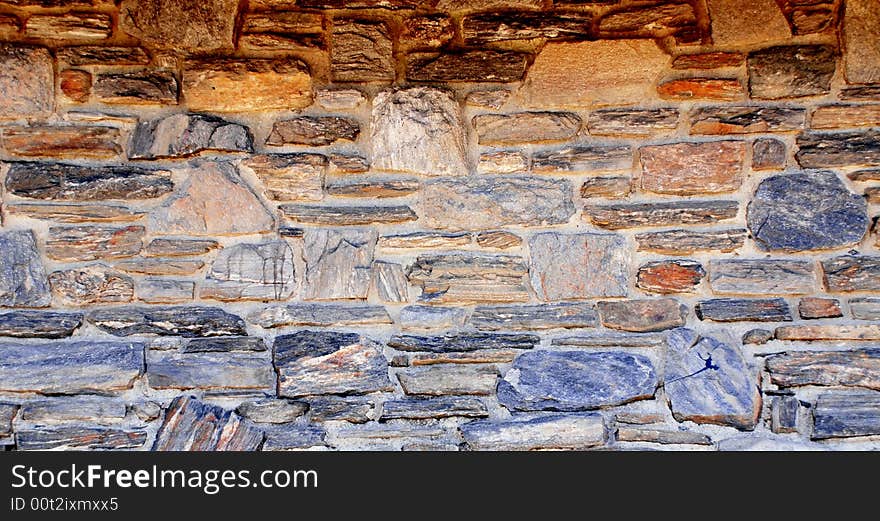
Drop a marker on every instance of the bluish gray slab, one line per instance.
(39, 324)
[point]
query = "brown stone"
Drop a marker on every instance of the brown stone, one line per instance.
(464, 278)
(360, 50)
(680, 242)
(647, 21)
(851, 273)
(282, 31)
(642, 316)
(141, 87)
(709, 60)
(768, 154)
(632, 122)
(10, 25)
(101, 55)
(374, 187)
(90, 285)
(75, 84)
(857, 368)
(164, 291)
(425, 240)
(701, 88)
(73, 213)
(845, 116)
(675, 276)
(261, 42)
(817, 307)
(791, 71)
(290, 177)
(498, 239)
(525, 127)
(607, 187)
(189, 25)
(180, 247)
(693, 168)
(746, 22)
(339, 99)
(832, 149)
(26, 81)
(427, 31)
(225, 85)
(471, 66)
(347, 215)
(490, 99)
(85, 243)
(482, 28)
(62, 141)
(69, 26)
(154, 266)
(631, 215)
(502, 163)
(746, 119)
(313, 131)
(578, 266)
(582, 159)
(861, 39)
(829, 332)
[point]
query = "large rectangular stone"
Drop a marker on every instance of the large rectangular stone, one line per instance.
(829, 332)
(546, 316)
(525, 127)
(319, 315)
(227, 85)
(22, 323)
(578, 266)
(680, 242)
(463, 342)
(338, 263)
(692, 168)
(185, 321)
(79, 438)
(215, 372)
(580, 159)
(361, 50)
(748, 310)
(85, 243)
(819, 150)
(746, 119)
(65, 182)
(632, 215)
(470, 277)
(62, 141)
(573, 432)
(441, 380)
(851, 273)
(74, 408)
(469, 65)
(861, 38)
(762, 276)
(856, 368)
(632, 122)
(842, 414)
(482, 28)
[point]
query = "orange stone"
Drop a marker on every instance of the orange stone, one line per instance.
(676, 276)
(846, 116)
(246, 85)
(693, 168)
(701, 88)
(76, 84)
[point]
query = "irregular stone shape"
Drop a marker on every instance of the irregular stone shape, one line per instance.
(818, 150)
(328, 362)
(85, 243)
(806, 211)
(478, 66)
(92, 366)
(525, 127)
(427, 31)
(692, 168)
(660, 20)
(203, 203)
(272, 411)
(463, 342)
(425, 240)
(631, 215)
(189, 25)
(431, 317)
(361, 50)
(481, 28)
(216, 85)
(287, 437)
(372, 187)
(226, 372)
(488, 99)
(829, 332)
(556, 431)
(845, 116)
(182, 135)
(253, 271)
(73, 408)
(762, 276)
(498, 239)
(39, 324)
(223, 345)
(347, 215)
(23, 280)
(757, 336)
(162, 291)
(849, 273)
(470, 278)
(643, 315)
(26, 82)
(578, 266)
(749, 310)
(75, 84)
(576, 380)
(91, 285)
(444, 380)
(739, 22)
(662, 436)
(632, 122)
(319, 315)
(784, 414)
(433, 408)
(611, 339)
(191, 425)
(864, 92)
(180, 247)
(860, 36)
(768, 154)
(339, 99)
(101, 55)
(141, 87)
(290, 177)
(709, 60)
(63, 182)
(338, 263)
(187, 322)
(746, 119)
(313, 131)
(869, 174)
(677, 242)
(612, 71)
(859, 368)
(864, 308)
(814, 307)
(842, 414)
(418, 130)
(355, 409)
(701, 88)
(725, 393)
(488, 202)
(583, 159)
(791, 71)
(74, 213)
(675, 276)
(549, 316)
(62, 142)
(502, 163)
(389, 282)
(79, 438)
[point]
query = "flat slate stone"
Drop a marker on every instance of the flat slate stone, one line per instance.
(338, 263)
(470, 277)
(212, 371)
(191, 425)
(463, 342)
(677, 242)
(433, 408)
(784, 414)
(578, 266)
(556, 431)
(576, 380)
(632, 122)
(652, 20)
(852, 273)
(79, 438)
(164, 291)
(857, 368)
(183, 135)
(187, 322)
(71, 142)
(217, 84)
(70, 367)
(631, 215)
(674, 276)
(313, 131)
(746, 119)
(180, 247)
(91, 284)
(612, 339)
(662, 436)
(361, 50)
(449, 379)
(835, 149)
(144, 87)
(290, 177)
(841, 414)
(581, 159)
(482, 28)
(389, 282)
(347, 215)
(865, 308)
(377, 187)
(86, 243)
(272, 410)
(264, 271)
(837, 332)
(817, 307)
(425, 240)
(152, 266)
(224, 345)
(23, 281)
(481, 356)
(724, 393)
(762, 276)
(498, 239)
(692, 168)
(546, 316)
(39, 324)
(356, 409)
(101, 55)
(478, 66)
(74, 408)
(610, 187)
(806, 211)
(288, 437)
(63, 182)
(431, 317)
(744, 310)
(791, 71)
(305, 314)
(525, 127)
(75, 213)
(642, 315)
(328, 362)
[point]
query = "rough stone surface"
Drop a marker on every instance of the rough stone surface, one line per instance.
(23, 281)
(525, 127)
(816, 307)
(661, 436)
(290, 177)
(272, 411)
(66, 182)
(790, 71)
(320, 315)
(79, 438)
(163, 291)
(643, 315)
(709, 60)
(675, 242)
(74, 213)
(192, 425)
(463, 342)
(347, 215)
(182, 135)
(865, 308)
(468, 277)
(761, 276)
(39, 324)
(583, 159)
(549, 316)
(434, 408)
(859, 368)
(313, 131)
(74, 408)
(481, 28)
(768, 154)
(843, 414)
(784, 414)
(851, 273)
(861, 34)
(264, 271)
(179, 247)
(218, 85)
(746, 119)
(62, 142)
(187, 322)
(192, 25)
(677, 276)
(828, 332)
(85, 243)
(818, 150)
(26, 81)
(361, 50)
(141, 87)
(467, 66)
(632, 122)
(441, 380)
(578, 266)
(338, 264)
(94, 284)
(739, 22)
(692, 168)
(748, 310)
(632, 215)
(431, 317)
(574, 432)
(845, 116)
(232, 371)
(702, 89)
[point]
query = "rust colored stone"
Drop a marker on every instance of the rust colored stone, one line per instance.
(701, 88)
(675, 276)
(76, 84)
(817, 307)
(693, 168)
(709, 60)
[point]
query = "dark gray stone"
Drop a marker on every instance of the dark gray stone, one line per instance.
(220, 372)
(224, 345)
(791, 71)
(188, 322)
(612, 340)
(784, 414)
(23, 281)
(481, 28)
(62, 182)
(834, 149)
(74, 408)
(661, 436)
(79, 438)
(468, 65)
(449, 379)
(768, 154)
(746, 119)
(757, 336)
(157, 87)
(433, 408)
(182, 135)
(744, 310)
(313, 131)
(355, 409)
(347, 215)
(191, 425)
(840, 414)
(39, 324)
(555, 431)
(463, 342)
(547, 316)
(293, 437)
(865, 308)
(272, 410)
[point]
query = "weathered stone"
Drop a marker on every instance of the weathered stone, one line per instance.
(23, 281)
(163, 291)
(264, 271)
(863, 92)
(549, 316)
(141, 87)
(783, 414)
(463, 342)
(217, 85)
(861, 32)
(865, 308)
(101, 55)
(724, 392)
(631, 215)
(488, 202)
(481, 356)
(872, 194)
(709, 60)
(675, 276)
(327, 362)
(182, 135)
(8, 412)
(850, 273)
(576, 380)
(746, 119)
(425, 240)
(692, 168)
(611, 71)
(815, 307)
(319, 315)
(791, 71)
(272, 411)
(361, 50)
(611, 339)
(73, 408)
(659, 20)
(427, 31)
(75, 84)
(338, 263)
(373, 187)
(287, 437)
(845, 116)
(261, 42)
(643, 315)
(632, 122)
(575, 432)
(489, 99)
(840, 414)
(418, 130)
(829, 332)
(147, 411)
(39, 324)
(9, 25)
(433, 408)
(67, 367)
(525, 127)
(79, 438)
(191, 425)
(806, 211)
(290, 177)
(339, 99)
(153, 266)
(63, 182)
(768, 154)
(443, 380)
(861, 176)
(347, 215)
(190, 25)
(431, 317)
(748, 310)
(203, 203)
(583, 159)
(817, 150)
(701, 88)
(313, 131)
(187, 322)
(223, 344)
(470, 66)
(578, 266)
(498, 239)
(26, 81)
(180, 247)
(757, 336)
(62, 141)
(389, 282)
(807, 17)
(481, 28)
(470, 278)
(739, 22)
(85, 243)
(233, 371)
(762, 276)
(338, 408)
(677, 242)
(858, 368)
(661, 436)
(90, 285)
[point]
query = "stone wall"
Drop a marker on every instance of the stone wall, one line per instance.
(439, 224)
